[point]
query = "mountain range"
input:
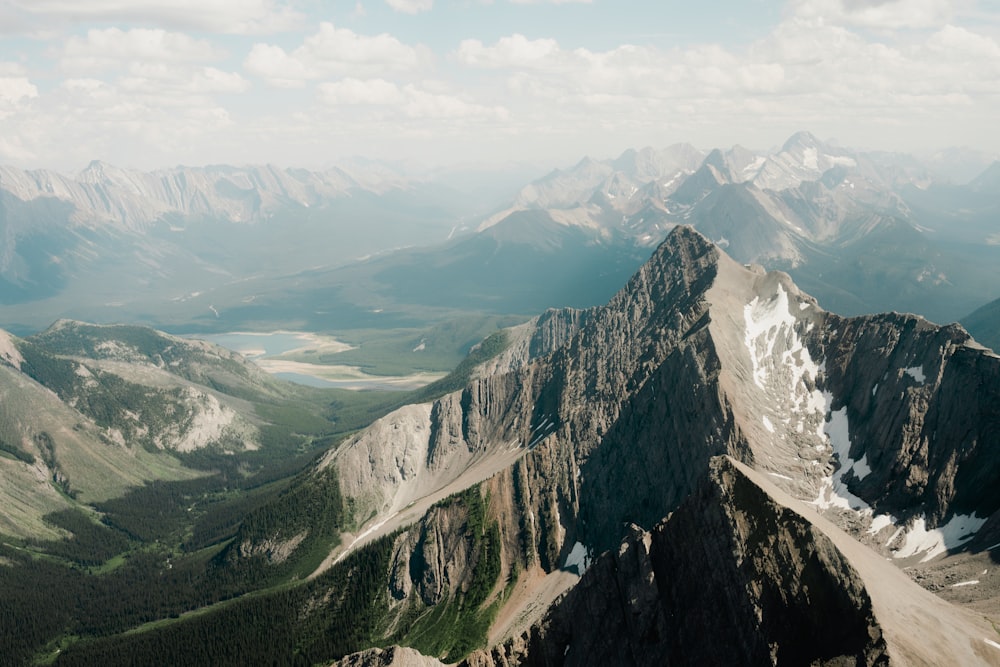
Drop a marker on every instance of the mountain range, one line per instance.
(118, 244)
(223, 248)
(710, 468)
(740, 431)
(865, 232)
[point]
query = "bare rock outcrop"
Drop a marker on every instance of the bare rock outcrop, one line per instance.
(393, 656)
(875, 422)
(731, 577)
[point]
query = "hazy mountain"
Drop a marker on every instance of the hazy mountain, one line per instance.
(781, 464)
(122, 245)
(864, 231)
(984, 324)
(224, 247)
(988, 182)
(959, 165)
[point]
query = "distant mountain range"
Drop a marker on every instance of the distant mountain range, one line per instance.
(863, 231)
(223, 247)
(117, 244)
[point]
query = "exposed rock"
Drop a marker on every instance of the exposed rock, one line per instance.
(394, 656)
(696, 357)
(731, 577)
(274, 550)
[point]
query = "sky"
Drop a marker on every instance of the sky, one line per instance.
(307, 83)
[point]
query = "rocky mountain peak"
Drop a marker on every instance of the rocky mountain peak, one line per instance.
(801, 140)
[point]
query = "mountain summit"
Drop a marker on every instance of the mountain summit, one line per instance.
(596, 420)
(708, 455)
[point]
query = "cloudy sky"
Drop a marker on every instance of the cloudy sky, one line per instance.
(154, 83)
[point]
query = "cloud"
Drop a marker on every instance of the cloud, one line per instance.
(331, 51)
(808, 72)
(424, 104)
(14, 90)
(113, 48)
(376, 92)
(878, 14)
(224, 16)
(514, 51)
(172, 82)
(411, 6)
(148, 67)
(11, 69)
(407, 100)
(170, 90)
(84, 118)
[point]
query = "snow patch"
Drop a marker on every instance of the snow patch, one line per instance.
(810, 158)
(917, 373)
(936, 541)
(769, 322)
(783, 367)
(880, 522)
(833, 490)
(842, 161)
(861, 467)
(973, 582)
(579, 557)
(753, 168)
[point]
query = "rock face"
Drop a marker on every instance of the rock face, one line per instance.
(394, 656)
(594, 421)
(731, 577)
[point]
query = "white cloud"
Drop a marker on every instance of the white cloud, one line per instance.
(808, 72)
(411, 6)
(225, 16)
(408, 100)
(424, 104)
(168, 89)
(514, 51)
(331, 51)
(377, 92)
(170, 82)
(16, 89)
(141, 70)
(11, 69)
(878, 14)
(85, 118)
(113, 48)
